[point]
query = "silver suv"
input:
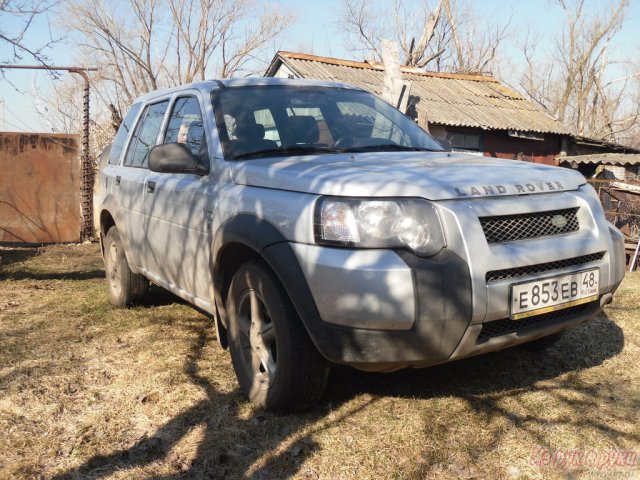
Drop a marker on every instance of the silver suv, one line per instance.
(318, 225)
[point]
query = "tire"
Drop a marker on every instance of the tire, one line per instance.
(125, 287)
(275, 361)
(543, 343)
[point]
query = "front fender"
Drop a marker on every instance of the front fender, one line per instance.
(248, 231)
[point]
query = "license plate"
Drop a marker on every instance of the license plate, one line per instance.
(554, 293)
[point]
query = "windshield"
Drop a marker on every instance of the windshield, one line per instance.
(278, 120)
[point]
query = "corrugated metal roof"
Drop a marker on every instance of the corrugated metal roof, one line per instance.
(602, 159)
(445, 98)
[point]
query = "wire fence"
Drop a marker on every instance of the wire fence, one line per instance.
(621, 206)
(621, 203)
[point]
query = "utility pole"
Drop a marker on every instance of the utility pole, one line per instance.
(86, 191)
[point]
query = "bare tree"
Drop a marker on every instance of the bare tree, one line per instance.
(475, 43)
(122, 40)
(210, 29)
(23, 14)
(442, 36)
(142, 45)
(61, 112)
(365, 30)
(577, 81)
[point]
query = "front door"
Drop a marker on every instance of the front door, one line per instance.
(177, 211)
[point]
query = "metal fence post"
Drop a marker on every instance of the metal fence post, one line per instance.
(87, 232)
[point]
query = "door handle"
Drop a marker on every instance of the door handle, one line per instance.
(118, 180)
(151, 187)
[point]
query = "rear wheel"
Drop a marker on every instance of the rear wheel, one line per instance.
(125, 287)
(277, 365)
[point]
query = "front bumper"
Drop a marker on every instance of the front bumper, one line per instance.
(442, 329)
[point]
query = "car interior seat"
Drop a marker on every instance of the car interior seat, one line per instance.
(250, 137)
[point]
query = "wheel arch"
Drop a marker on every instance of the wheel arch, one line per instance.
(106, 222)
(109, 218)
(237, 241)
(257, 238)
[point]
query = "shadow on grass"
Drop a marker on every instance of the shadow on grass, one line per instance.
(11, 258)
(157, 296)
(11, 255)
(24, 274)
(231, 445)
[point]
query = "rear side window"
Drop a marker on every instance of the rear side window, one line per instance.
(123, 134)
(145, 135)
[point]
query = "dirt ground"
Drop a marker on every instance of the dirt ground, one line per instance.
(91, 391)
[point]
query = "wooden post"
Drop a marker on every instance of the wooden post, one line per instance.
(634, 259)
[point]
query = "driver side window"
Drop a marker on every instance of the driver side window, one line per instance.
(185, 126)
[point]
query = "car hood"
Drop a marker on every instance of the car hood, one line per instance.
(430, 175)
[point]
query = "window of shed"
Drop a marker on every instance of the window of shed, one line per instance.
(465, 141)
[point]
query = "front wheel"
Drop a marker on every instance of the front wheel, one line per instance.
(277, 365)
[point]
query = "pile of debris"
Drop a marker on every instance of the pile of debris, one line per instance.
(621, 203)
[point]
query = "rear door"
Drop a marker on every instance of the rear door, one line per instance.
(112, 169)
(176, 207)
(131, 182)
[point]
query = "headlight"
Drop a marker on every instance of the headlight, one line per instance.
(410, 223)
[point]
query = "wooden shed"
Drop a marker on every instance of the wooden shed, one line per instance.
(605, 166)
(476, 113)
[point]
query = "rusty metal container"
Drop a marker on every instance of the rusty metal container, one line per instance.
(39, 188)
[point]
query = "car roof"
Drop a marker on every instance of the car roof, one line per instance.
(208, 85)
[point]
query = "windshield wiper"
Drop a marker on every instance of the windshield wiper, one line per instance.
(389, 146)
(291, 150)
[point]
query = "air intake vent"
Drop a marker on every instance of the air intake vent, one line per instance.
(498, 328)
(509, 228)
(516, 272)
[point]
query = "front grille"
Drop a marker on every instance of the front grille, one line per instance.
(507, 273)
(498, 328)
(509, 228)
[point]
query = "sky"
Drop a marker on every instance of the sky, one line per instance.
(315, 32)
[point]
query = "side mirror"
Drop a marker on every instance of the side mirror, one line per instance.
(446, 144)
(175, 158)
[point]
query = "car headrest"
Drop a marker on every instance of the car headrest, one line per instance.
(195, 133)
(304, 129)
(248, 129)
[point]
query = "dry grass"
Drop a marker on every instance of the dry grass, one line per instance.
(87, 390)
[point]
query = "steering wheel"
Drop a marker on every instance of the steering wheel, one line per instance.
(344, 141)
